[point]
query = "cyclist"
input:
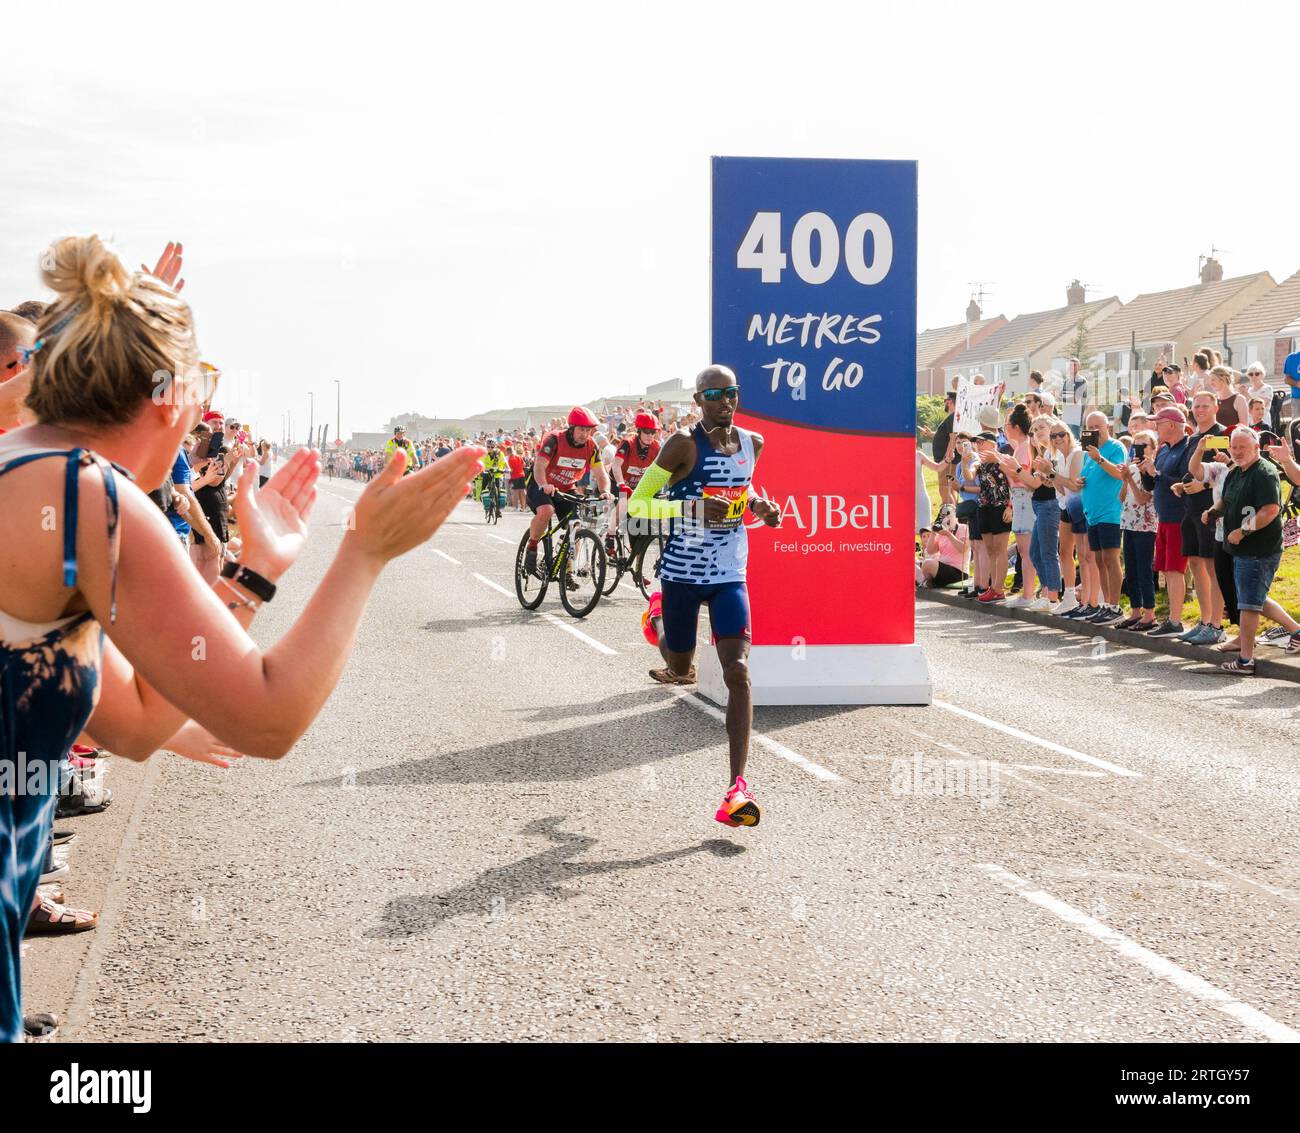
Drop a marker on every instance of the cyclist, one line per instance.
(708, 473)
(495, 467)
(632, 457)
(399, 441)
(563, 459)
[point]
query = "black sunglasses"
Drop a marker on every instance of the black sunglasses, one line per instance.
(731, 393)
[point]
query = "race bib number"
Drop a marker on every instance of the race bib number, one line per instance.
(736, 499)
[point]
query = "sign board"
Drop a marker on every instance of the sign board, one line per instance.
(814, 308)
(970, 400)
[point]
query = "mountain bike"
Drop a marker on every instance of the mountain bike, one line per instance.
(492, 498)
(577, 563)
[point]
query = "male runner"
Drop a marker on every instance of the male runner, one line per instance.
(562, 460)
(399, 441)
(708, 472)
(631, 458)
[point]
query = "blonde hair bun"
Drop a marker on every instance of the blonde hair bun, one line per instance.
(86, 270)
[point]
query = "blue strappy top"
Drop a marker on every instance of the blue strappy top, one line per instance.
(49, 675)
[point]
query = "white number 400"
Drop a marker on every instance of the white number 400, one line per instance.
(761, 248)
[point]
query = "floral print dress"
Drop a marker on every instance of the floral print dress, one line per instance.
(49, 684)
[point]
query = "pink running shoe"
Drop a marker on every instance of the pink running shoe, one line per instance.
(738, 806)
(655, 610)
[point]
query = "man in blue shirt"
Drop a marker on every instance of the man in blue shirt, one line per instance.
(1103, 472)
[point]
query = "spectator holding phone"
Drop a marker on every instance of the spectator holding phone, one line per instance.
(943, 550)
(1138, 527)
(1016, 465)
(1198, 536)
(1103, 472)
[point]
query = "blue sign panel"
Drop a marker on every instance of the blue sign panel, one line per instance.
(814, 290)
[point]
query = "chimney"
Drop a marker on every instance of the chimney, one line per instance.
(1075, 295)
(973, 312)
(1211, 270)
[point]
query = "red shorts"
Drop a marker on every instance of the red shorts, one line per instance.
(1169, 548)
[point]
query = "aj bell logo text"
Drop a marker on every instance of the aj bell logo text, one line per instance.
(102, 1087)
(834, 513)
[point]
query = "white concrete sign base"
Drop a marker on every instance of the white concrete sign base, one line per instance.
(825, 674)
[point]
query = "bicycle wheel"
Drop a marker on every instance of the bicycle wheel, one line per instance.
(582, 573)
(645, 566)
(529, 589)
(616, 566)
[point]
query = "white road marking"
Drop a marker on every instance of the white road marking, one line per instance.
(1160, 840)
(489, 582)
(1029, 737)
(1181, 978)
(597, 645)
(1018, 766)
(508, 542)
(775, 747)
(445, 556)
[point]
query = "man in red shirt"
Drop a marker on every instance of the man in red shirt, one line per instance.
(562, 460)
(632, 457)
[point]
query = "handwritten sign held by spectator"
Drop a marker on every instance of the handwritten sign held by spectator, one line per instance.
(970, 400)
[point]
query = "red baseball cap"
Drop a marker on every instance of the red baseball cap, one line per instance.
(213, 415)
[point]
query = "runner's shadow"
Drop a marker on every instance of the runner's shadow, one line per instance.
(487, 619)
(568, 755)
(645, 697)
(545, 874)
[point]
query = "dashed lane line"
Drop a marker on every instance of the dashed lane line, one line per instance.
(1029, 737)
(1249, 1017)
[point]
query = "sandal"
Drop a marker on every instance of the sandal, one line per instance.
(39, 1027)
(51, 918)
(668, 677)
(1233, 646)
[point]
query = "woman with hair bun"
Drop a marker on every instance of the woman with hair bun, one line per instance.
(105, 626)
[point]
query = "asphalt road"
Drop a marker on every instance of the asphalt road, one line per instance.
(499, 829)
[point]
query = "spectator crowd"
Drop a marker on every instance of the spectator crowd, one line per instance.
(1185, 490)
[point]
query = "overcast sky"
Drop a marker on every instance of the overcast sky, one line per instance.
(467, 207)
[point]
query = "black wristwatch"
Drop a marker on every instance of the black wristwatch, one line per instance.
(250, 580)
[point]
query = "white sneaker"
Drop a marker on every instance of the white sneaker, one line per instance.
(1065, 605)
(1015, 603)
(1039, 605)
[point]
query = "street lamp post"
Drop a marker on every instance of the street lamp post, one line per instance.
(338, 410)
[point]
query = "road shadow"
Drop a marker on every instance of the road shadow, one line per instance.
(544, 874)
(488, 619)
(568, 755)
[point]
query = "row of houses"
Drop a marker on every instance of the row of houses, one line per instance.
(1249, 318)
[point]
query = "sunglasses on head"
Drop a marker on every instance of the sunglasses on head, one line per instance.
(731, 393)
